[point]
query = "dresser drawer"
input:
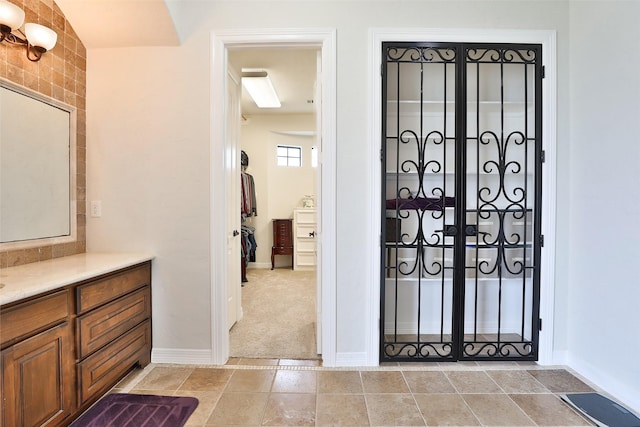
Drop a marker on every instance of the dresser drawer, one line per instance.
(96, 293)
(104, 324)
(98, 372)
(27, 318)
(305, 216)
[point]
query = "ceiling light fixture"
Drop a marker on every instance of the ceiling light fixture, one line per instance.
(259, 86)
(36, 38)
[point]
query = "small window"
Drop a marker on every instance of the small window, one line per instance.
(314, 157)
(288, 155)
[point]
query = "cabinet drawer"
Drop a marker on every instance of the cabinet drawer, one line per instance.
(305, 231)
(104, 324)
(25, 319)
(306, 259)
(306, 245)
(96, 293)
(98, 372)
(308, 217)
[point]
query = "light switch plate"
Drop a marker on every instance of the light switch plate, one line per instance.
(96, 208)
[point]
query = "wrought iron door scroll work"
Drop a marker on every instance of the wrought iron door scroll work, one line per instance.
(461, 144)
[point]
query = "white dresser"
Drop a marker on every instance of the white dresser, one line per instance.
(305, 227)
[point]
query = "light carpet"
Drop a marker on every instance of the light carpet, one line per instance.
(279, 316)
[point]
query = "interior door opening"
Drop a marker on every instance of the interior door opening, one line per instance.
(287, 204)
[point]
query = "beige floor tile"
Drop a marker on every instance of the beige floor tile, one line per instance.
(129, 381)
(239, 409)
(207, 401)
(445, 410)
(294, 382)
(472, 382)
(251, 380)
(496, 410)
(164, 378)
(384, 382)
(548, 410)
(517, 381)
(560, 381)
(393, 410)
(207, 379)
(339, 382)
(341, 410)
(428, 382)
(290, 409)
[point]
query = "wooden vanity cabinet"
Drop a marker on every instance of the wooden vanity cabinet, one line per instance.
(113, 329)
(62, 351)
(38, 382)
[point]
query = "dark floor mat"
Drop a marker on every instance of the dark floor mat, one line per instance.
(138, 410)
(604, 412)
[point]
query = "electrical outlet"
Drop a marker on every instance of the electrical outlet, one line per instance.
(96, 208)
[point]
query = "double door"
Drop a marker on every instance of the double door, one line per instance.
(461, 161)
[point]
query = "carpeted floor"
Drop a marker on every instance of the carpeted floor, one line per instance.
(279, 322)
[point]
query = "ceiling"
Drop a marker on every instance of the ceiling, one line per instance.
(292, 72)
(135, 23)
(120, 23)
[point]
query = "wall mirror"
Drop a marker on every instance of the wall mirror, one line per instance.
(37, 169)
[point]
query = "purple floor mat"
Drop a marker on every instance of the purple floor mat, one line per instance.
(138, 410)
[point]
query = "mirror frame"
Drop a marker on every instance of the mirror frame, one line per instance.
(73, 130)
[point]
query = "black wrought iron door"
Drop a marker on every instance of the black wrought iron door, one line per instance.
(461, 149)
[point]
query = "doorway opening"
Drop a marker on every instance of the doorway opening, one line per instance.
(223, 157)
(279, 181)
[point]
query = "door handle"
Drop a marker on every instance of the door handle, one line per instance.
(471, 230)
(235, 233)
(449, 230)
(312, 234)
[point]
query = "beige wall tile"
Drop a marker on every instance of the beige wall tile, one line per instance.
(49, 76)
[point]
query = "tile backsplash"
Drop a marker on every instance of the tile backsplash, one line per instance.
(61, 75)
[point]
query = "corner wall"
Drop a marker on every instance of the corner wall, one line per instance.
(604, 282)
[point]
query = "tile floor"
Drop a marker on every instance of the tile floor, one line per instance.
(272, 392)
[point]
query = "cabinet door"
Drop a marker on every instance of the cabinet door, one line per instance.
(38, 379)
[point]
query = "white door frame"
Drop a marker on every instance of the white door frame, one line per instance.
(221, 41)
(547, 274)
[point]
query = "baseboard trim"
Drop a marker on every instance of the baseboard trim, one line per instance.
(352, 359)
(252, 265)
(181, 356)
(623, 393)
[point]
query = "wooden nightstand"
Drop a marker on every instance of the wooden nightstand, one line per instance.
(282, 240)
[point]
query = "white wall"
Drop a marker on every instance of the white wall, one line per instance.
(148, 142)
(278, 189)
(148, 111)
(148, 162)
(604, 282)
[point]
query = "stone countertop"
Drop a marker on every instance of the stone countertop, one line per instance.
(27, 280)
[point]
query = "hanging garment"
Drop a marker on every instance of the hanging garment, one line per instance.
(248, 234)
(248, 202)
